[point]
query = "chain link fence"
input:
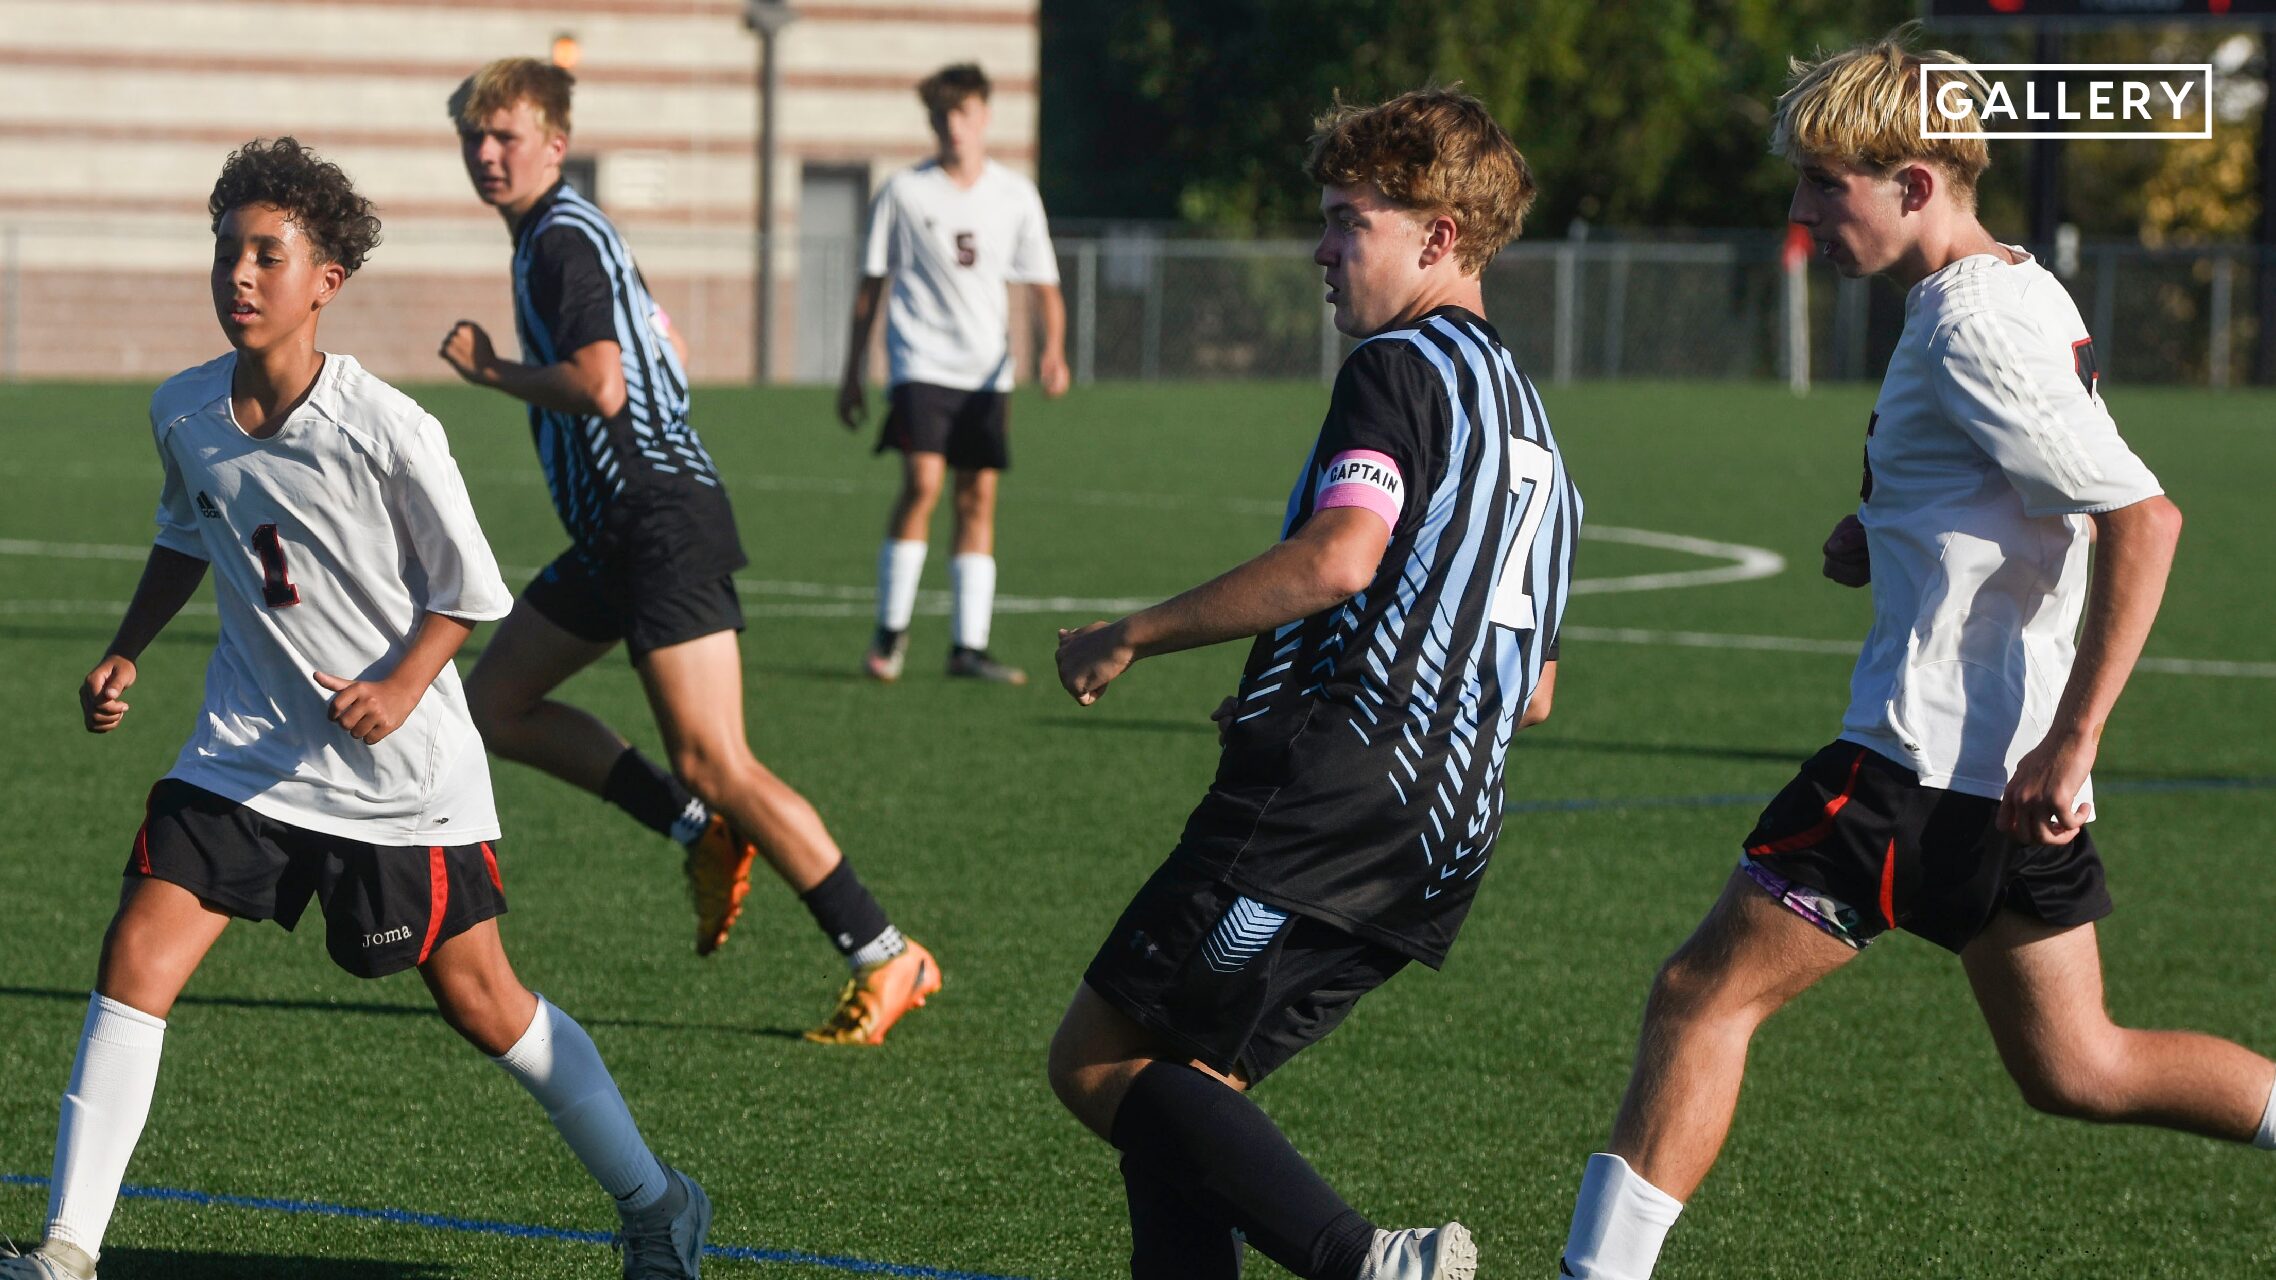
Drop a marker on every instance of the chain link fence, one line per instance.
(129, 301)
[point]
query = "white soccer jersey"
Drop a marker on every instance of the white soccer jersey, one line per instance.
(329, 541)
(951, 251)
(1988, 447)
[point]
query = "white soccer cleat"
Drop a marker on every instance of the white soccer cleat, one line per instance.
(665, 1240)
(887, 650)
(54, 1260)
(1422, 1253)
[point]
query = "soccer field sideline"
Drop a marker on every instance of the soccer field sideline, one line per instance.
(1667, 732)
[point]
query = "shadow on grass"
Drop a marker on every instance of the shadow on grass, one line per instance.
(73, 996)
(2126, 779)
(1128, 724)
(121, 1263)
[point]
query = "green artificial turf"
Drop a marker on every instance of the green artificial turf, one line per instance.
(1007, 827)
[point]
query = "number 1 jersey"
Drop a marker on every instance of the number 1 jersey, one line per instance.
(328, 542)
(1361, 781)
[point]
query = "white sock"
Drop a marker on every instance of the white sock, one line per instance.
(104, 1108)
(1619, 1223)
(556, 1061)
(972, 585)
(899, 565)
(2266, 1138)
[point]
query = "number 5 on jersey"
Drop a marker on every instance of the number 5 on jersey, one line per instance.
(277, 590)
(1531, 467)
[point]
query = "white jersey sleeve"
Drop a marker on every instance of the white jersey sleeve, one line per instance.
(2005, 383)
(878, 258)
(177, 516)
(1033, 259)
(462, 578)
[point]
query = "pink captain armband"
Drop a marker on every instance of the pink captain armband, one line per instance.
(1363, 478)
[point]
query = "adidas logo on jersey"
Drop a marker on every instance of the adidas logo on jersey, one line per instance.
(206, 507)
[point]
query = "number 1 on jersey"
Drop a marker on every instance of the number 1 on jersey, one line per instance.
(277, 590)
(1531, 467)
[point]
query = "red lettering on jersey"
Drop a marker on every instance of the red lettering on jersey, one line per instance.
(2088, 368)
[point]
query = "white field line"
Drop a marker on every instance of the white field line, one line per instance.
(834, 600)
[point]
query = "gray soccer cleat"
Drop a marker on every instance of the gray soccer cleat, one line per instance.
(54, 1260)
(976, 664)
(1422, 1253)
(665, 1240)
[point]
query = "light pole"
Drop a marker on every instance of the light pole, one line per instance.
(767, 18)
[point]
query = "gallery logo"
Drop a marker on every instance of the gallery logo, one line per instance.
(2157, 100)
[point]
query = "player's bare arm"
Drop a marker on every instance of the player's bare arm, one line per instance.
(1846, 559)
(2133, 554)
(1330, 559)
(169, 579)
(1051, 366)
(371, 709)
(589, 381)
(1544, 694)
(852, 398)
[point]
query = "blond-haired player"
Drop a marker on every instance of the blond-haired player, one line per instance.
(950, 235)
(650, 563)
(1954, 803)
(1402, 630)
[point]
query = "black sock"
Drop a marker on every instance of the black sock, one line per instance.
(848, 915)
(1196, 1133)
(661, 802)
(1176, 1236)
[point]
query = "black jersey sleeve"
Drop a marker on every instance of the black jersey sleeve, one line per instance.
(572, 291)
(1388, 400)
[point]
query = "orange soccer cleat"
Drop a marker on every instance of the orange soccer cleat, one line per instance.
(718, 868)
(877, 995)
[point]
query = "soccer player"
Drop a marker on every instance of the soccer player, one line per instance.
(1403, 628)
(951, 233)
(1954, 803)
(334, 757)
(650, 562)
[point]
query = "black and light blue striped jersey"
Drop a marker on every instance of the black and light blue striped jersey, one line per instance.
(575, 284)
(1362, 777)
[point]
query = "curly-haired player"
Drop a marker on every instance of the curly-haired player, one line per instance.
(334, 758)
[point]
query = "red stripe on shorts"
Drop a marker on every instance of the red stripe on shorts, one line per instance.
(492, 860)
(1824, 826)
(1889, 885)
(438, 897)
(142, 835)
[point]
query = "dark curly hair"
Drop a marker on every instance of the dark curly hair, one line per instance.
(311, 190)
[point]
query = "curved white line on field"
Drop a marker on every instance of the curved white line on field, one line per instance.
(1746, 563)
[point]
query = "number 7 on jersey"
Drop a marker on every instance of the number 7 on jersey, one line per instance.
(1531, 467)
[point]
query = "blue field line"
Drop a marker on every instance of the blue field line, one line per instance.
(1732, 800)
(514, 1230)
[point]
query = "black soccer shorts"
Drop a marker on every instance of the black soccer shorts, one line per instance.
(1228, 980)
(660, 573)
(972, 430)
(1858, 828)
(386, 907)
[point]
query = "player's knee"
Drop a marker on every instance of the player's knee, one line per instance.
(2081, 1083)
(1074, 1075)
(496, 713)
(1685, 987)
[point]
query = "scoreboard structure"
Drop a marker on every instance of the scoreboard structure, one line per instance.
(2087, 14)
(2046, 21)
